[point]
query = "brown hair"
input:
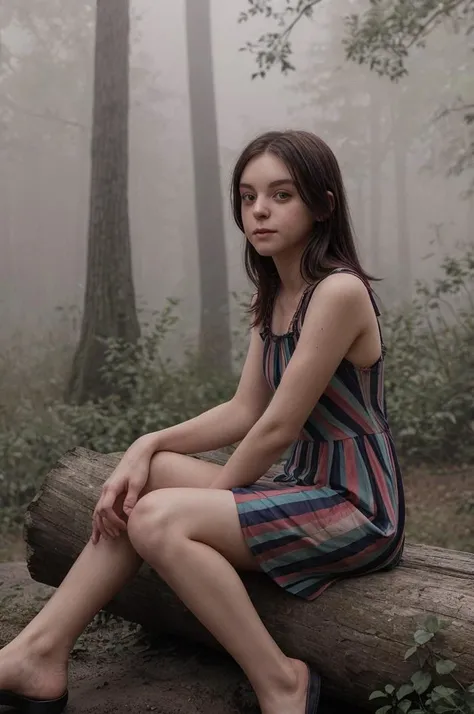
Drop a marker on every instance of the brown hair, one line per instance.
(315, 170)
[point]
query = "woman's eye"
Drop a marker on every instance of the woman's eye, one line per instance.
(247, 196)
(283, 195)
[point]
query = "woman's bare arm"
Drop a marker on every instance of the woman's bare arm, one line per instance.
(337, 314)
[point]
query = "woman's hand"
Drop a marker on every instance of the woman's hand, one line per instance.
(120, 492)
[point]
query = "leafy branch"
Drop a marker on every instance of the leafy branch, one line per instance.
(380, 37)
(383, 36)
(274, 47)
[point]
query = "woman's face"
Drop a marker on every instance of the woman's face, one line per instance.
(276, 220)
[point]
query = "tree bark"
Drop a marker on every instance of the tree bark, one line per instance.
(401, 193)
(375, 181)
(215, 339)
(356, 633)
(109, 304)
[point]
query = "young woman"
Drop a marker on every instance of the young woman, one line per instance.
(312, 381)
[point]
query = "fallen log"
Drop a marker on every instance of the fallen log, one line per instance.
(356, 633)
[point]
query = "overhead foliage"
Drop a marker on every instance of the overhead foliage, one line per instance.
(382, 36)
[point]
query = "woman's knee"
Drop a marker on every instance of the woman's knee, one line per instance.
(151, 526)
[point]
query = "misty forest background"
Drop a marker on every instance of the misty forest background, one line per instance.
(122, 289)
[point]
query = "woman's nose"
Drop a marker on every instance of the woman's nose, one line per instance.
(260, 208)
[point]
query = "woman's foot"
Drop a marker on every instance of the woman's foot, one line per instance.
(290, 698)
(32, 671)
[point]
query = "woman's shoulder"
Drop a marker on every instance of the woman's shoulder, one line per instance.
(339, 285)
(339, 295)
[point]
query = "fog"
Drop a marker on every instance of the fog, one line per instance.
(407, 216)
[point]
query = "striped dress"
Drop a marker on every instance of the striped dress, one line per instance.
(337, 508)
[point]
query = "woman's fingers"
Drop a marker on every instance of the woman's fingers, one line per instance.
(110, 529)
(106, 522)
(100, 527)
(95, 533)
(106, 511)
(113, 521)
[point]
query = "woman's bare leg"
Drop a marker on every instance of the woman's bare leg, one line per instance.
(193, 540)
(35, 662)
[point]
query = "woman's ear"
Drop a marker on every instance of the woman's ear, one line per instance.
(332, 202)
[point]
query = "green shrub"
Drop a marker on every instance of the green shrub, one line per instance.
(430, 368)
(433, 688)
(160, 392)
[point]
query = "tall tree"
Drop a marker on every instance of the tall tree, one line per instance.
(215, 338)
(400, 156)
(109, 304)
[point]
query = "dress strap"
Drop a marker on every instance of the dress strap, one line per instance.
(295, 320)
(302, 307)
(266, 325)
(301, 312)
(369, 289)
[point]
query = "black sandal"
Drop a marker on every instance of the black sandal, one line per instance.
(25, 705)
(314, 692)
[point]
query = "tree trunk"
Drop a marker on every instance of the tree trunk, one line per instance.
(356, 633)
(401, 193)
(470, 217)
(358, 213)
(109, 305)
(375, 182)
(215, 339)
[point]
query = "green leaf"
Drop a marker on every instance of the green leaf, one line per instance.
(384, 710)
(421, 681)
(441, 692)
(377, 694)
(410, 652)
(404, 691)
(389, 688)
(422, 637)
(445, 666)
(404, 706)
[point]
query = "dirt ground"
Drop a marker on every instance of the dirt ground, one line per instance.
(110, 672)
(116, 669)
(440, 507)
